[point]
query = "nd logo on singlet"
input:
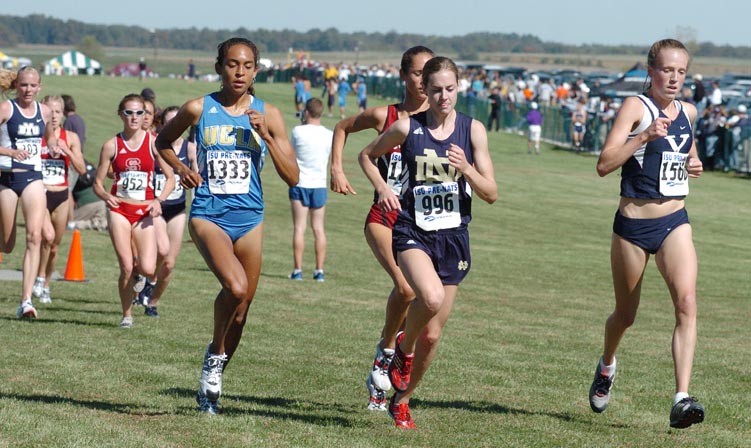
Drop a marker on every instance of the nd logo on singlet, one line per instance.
(431, 168)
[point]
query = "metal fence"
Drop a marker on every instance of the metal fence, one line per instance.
(731, 151)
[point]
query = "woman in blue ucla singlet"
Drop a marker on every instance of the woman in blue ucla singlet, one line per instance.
(23, 124)
(652, 142)
(444, 154)
(378, 224)
(235, 132)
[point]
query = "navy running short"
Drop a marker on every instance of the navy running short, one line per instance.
(649, 234)
(449, 250)
(169, 211)
(310, 197)
(19, 180)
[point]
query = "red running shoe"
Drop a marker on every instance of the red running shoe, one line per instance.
(401, 415)
(400, 369)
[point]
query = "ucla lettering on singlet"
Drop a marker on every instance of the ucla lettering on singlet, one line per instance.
(231, 136)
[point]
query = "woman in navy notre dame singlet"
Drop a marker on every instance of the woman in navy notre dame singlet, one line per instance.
(235, 131)
(445, 158)
(652, 142)
(378, 224)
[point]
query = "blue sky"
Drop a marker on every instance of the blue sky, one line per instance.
(637, 22)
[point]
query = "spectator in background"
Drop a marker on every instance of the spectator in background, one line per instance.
(141, 68)
(545, 91)
(735, 125)
(579, 123)
(362, 94)
(534, 123)
(90, 212)
(312, 144)
(715, 98)
(713, 129)
(700, 93)
(73, 121)
(299, 93)
(495, 109)
(562, 93)
(191, 71)
(344, 90)
(332, 86)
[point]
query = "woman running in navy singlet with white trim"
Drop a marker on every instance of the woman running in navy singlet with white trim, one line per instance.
(652, 142)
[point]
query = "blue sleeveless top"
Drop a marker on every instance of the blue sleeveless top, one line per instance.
(230, 158)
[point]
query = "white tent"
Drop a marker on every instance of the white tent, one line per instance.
(72, 63)
(11, 63)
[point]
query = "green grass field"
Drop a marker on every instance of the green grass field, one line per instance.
(514, 367)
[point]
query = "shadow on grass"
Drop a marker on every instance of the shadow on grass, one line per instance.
(495, 408)
(42, 321)
(314, 417)
(119, 408)
(79, 310)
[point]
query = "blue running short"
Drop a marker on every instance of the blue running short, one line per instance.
(449, 250)
(310, 197)
(649, 234)
(235, 223)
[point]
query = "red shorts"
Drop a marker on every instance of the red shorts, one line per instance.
(132, 212)
(377, 216)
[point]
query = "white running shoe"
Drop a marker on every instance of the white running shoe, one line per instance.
(36, 291)
(380, 371)
(45, 297)
(139, 283)
(210, 384)
(377, 400)
(205, 405)
(26, 309)
(127, 322)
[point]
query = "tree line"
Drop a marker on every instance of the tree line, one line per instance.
(44, 30)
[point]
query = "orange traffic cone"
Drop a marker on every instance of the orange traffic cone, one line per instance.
(74, 268)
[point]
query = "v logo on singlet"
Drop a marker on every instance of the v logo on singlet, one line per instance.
(677, 147)
(430, 167)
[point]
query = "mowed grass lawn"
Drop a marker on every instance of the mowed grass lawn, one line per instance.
(514, 366)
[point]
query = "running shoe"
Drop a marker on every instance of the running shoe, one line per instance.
(377, 401)
(401, 415)
(127, 322)
(26, 309)
(295, 275)
(150, 311)
(380, 371)
(318, 275)
(211, 375)
(400, 369)
(205, 405)
(599, 392)
(139, 283)
(45, 297)
(36, 291)
(686, 413)
(144, 297)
